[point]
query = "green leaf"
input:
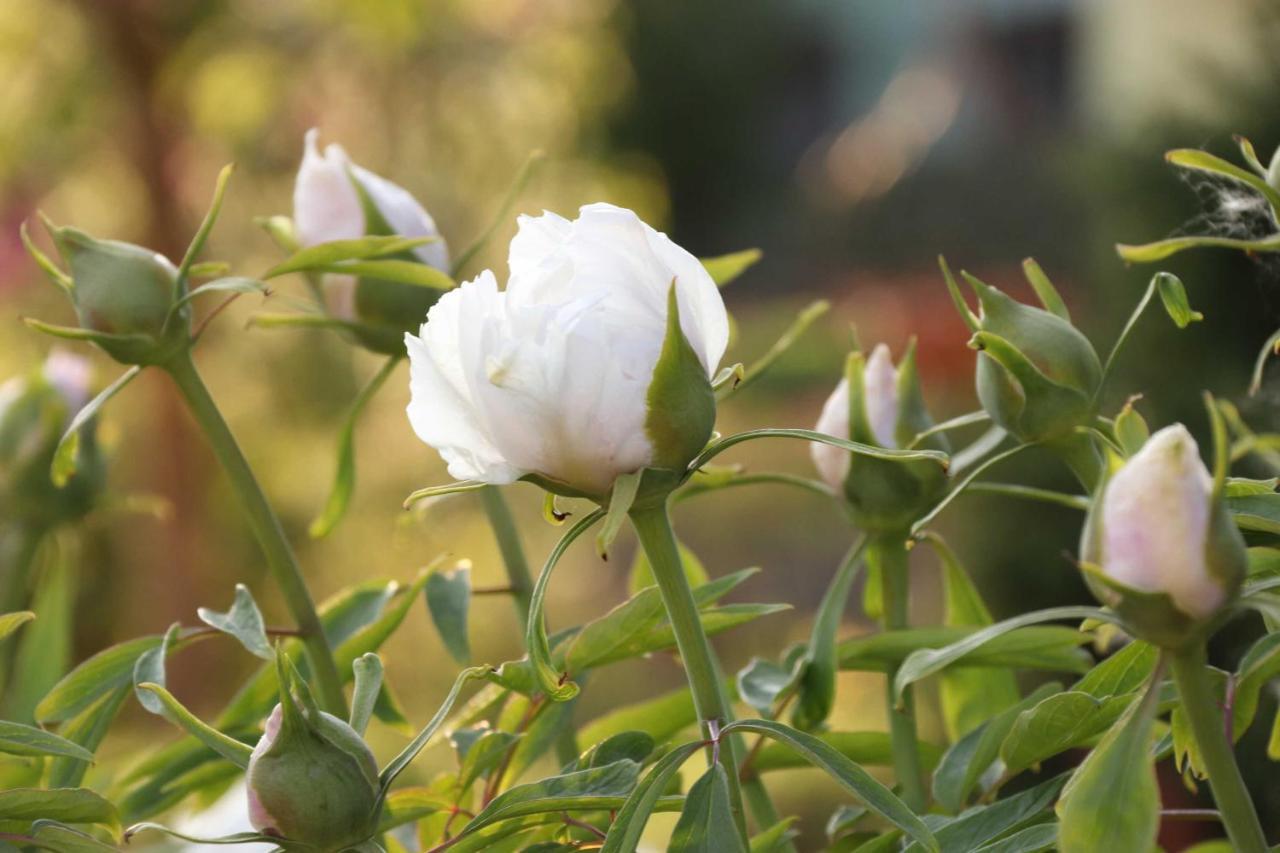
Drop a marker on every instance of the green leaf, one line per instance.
(368, 687)
(1161, 249)
(47, 266)
(661, 717)
(591, 789)
(149, 669)
(229, 748)
(849, 775)
(72, 805)
(971, 695)
(776, 838)
(44, 651)
(10, 622)
(922, 663)
(1033, 839)
(227, 284)
(484, 755)
(344, 477)
(96, 677)
(970, 758)
(723, 269)
(870, 748)
(401, 761)
(337, 251)
(1048, 294)
(761, 682)
(234, 838)
(818, 666)
(67, 451)
(706, 823)
(634, 746)
(1036, 647)
(63, 839)
(448, 599)
(1131, 429)
(680, 405)
(785, 342)
(628, 824)
(1113, 801)
(641, 573)
(206, 226)
(1259, 364)
(88, 729)
(982, 825)
(716, 448)
(625, 488)
(1174, 296)
(407, 805)
(392, 269)
(243, 621)
(20, 739)
(1202, 161)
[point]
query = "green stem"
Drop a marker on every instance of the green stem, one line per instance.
(653, 527)
(1080, 453)
(266, 528)
(1191, 674)
(16, 561)
(520, 583)
(889, 552)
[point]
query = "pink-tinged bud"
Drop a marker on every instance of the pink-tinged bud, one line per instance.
(1161, 548)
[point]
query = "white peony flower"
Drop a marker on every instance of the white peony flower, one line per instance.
(880, 403)
(1155, 517)
(551, 376)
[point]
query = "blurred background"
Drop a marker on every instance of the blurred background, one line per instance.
(852, 140)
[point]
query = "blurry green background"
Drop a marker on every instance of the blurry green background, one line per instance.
(852, 141)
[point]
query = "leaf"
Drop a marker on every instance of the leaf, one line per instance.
(149, 669)
(625, 488)
(1202, 161)
(723, 269)
(87, 729)
(776, 838)
(641, 574)
(234, 838)
(1174, 296)
(589, 789)
(401, 271)
(761, 682)
(634, 746)
(10, 622)
(227, 284)
(1048, 294)
(170, 708)
(1161, 249)
(243, 621)
(871, 748)
(1033, 839)
(969, 758)
(850, 776)
(680, 405)
(628, 824)
(785, 342)
(1131, 429)
(440, 491)
(979, 826)
(401, 761)
(206, 225)
(72, 805)
(63, 839)
(44, 650)
(368, 687)
(718, 447)
(1113, 800)
(94, 678)
(706, 823)
(337, 251)
(661, 717)
(818, 666)
(68, 449)
(1035, 647)
(344, 476)
(20, 739)
(484, 755)
(448, 599)
(922, 663)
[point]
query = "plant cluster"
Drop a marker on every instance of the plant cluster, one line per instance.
(595, 373)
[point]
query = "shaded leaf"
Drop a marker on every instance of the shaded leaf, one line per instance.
(706, 823)
(448, 599)
(243, 621)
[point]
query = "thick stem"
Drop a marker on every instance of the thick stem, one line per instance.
(653, 527)
(266, 528)
(1197, 697)
(890, 553)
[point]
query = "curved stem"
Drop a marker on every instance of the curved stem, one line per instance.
(1196, 694)
(519, 585)
(266, 528)
(890, 553)
(653, 528)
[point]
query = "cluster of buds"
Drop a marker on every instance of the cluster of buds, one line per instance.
(880, 405)
(35, 411)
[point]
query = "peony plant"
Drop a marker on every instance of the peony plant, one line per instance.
(595, 375)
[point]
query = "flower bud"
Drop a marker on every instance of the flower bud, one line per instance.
(1159, 547)
(1037, 374)
(334, 199)
(594, 362)
(312, 779)
(880, 405)
(35, 410)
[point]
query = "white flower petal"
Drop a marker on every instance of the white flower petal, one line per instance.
(880, 396)
(405, 215)
(326, 206)
(832, 462)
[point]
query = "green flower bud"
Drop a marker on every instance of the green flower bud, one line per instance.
(124, 294)
(1160, 547)
(1037, 374)
(312, 779)
(880, 405)
(35, 410)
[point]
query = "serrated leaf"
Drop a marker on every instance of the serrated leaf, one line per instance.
(243, 621)
(706, 823)
(448, 599)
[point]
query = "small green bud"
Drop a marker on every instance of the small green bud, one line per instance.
(1159, 546)
(35, 410)
(312, 779)
(1037, 374)
(880, 405)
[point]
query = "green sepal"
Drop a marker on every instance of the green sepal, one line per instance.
(681, 403)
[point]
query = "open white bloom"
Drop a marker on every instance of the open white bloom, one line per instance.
(327, 204)
(1155, 518)
(879, 402)
(551, 376)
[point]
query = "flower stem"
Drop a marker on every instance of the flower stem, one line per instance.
(1196, 694)
(520, 585)
(653, 527)
(889, 552)
(266, 528)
